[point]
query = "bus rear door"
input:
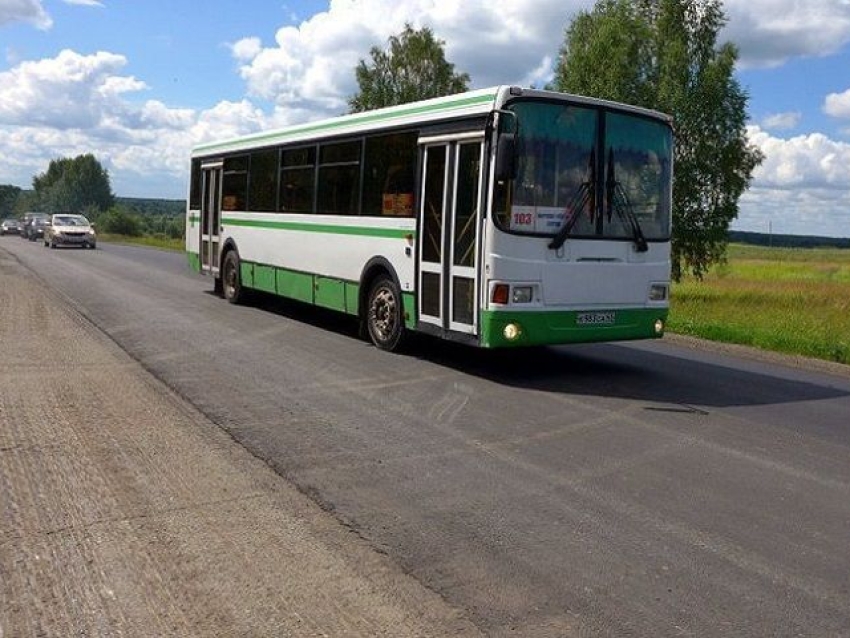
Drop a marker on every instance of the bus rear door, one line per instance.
(210, 226)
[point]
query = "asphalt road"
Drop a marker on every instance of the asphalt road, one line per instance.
(126, 512)
(645, 489)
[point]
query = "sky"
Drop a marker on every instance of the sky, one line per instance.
(138, 83)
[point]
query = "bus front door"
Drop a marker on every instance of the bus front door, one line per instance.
(210, 217)
(449, 226)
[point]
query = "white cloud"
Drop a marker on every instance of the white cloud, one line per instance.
(311, 66)
(770, 32)
(246, 49)
(24, 11)
(801, 188)
(805, 161)
(68, 91)
(782, 121)
(74, 104)
(84, 3)
(837, 104)
(822, 212)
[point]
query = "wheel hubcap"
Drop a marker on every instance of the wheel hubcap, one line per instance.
(383, 313)
(230, 281)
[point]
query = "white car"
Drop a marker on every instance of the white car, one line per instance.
(66, 229)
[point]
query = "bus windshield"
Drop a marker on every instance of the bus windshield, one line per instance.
(587, 172)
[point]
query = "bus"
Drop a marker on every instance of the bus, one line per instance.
(499, 217)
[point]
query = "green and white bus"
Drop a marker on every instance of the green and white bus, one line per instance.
(498, 217)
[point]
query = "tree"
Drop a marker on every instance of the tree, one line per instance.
(8, 198)
(25, 203)
(412, 68)
(74, 185)
(663, 54)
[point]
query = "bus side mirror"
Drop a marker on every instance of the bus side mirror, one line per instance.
(506, 164)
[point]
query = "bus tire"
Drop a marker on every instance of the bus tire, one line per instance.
(231, 279)
(384, 316)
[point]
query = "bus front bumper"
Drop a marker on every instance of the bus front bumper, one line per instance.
(511, 328)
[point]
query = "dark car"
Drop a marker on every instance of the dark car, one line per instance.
(35, 227)
(25, 221)
(10, 227)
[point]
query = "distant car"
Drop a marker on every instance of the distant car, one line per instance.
(34, 229)
(66, 229)
(23, 225)
(10, 227)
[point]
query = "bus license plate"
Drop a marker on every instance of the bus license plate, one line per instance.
(596, 318)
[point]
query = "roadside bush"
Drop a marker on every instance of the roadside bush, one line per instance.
(120, 222)
(176, 228)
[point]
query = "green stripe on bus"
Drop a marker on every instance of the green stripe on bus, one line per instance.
(334, 229)
(327, 292)
(354, 120)
(194, 261)
(265, 278)
(408, 300)
(295, 285)
(558, 327)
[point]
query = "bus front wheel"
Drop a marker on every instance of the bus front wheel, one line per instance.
(384, 320)
(231, 280)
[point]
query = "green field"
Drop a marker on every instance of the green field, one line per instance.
(792, 300)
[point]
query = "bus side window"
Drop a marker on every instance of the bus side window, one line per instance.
(195, 185)
(234, 187)
(390, 175)
(262, 180)
(297, 179)
(338, 181)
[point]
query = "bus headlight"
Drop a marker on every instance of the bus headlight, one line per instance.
(658, 292)
(659, 326)
(522, 294)
(512, 331)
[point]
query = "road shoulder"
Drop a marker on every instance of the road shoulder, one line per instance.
(757, 354)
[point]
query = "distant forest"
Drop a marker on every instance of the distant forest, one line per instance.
(787, 241)
(144, 207)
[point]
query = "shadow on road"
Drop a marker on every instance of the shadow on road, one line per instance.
(609, 370)
(620, 371)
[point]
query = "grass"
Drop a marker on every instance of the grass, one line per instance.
(795, 301)
(154, 241)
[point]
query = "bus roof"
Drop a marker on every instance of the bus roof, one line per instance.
(471, 103)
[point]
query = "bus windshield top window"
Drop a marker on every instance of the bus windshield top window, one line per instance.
(561, 183)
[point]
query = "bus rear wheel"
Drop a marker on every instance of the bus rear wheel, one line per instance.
(231, 279)
(384, 320)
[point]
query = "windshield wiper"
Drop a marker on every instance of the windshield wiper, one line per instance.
(618, 202)
(582, 196)
(579, 201)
